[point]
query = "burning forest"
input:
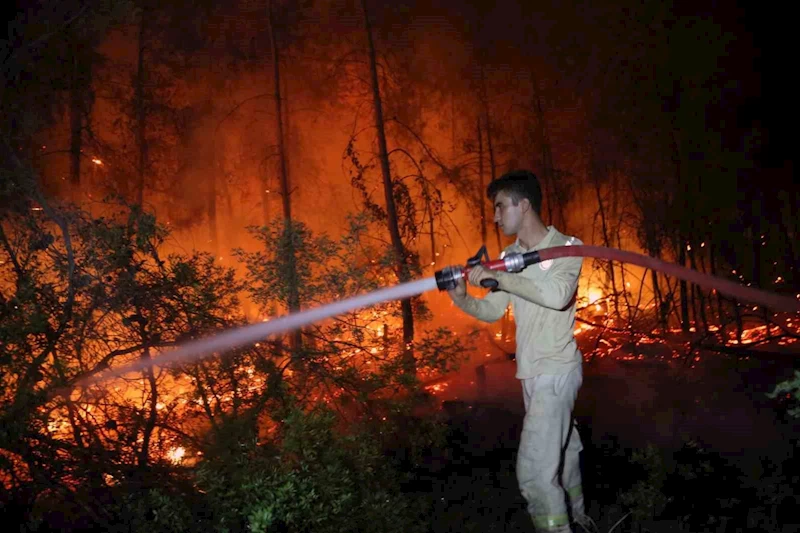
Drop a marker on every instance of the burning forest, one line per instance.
(231, 236)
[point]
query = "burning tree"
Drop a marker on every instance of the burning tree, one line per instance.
(355, 353)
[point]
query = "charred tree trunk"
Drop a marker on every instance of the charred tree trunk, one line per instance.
(401, 265)
(294, 293)
(484, 101)
(141, 114)
(211, 204)
(712, 262)
(684, 288)
(698, 291)
(481, 185)
(737, 313)
(453, 122)
(551, 187)
(660, 310)
(79, 99)
(265, 190)
(152, 414)
(433, 232)
(604, 228)
(681, 192)
(75, 142)
(150, 423)
(493, 168)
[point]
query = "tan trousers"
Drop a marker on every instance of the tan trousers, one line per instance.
(548, 468)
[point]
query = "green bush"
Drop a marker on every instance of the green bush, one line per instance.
(313, 478)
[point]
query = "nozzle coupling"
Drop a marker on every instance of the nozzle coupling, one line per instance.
(447, 278)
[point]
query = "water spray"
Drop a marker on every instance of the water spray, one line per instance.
(445, 279)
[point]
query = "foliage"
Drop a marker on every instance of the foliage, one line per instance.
(693, 488)
(789, 391)
(312, 478)
(646, 498)
(80, 296)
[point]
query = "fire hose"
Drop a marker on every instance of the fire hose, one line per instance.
(448, 277)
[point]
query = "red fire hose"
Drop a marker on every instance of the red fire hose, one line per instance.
(448, 277)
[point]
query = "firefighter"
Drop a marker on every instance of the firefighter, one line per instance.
(548, 359)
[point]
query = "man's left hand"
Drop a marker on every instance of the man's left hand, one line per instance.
(478, 273)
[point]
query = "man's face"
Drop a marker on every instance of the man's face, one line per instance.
(507, 215)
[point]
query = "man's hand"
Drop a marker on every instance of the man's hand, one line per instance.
(477, 274)
(460, 291)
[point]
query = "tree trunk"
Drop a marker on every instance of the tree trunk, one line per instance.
(401, 265)
(80, 102)
(265, 199)
(683, 286)
(698, 291)
(453, 122)
(141, 114)
(604, 228)
(549, 184)
(294, 295)
(211, 203)
(712, 260)
(433, 236)
(152, 415)
(484, 97)
(150, 423)
(481, 185)
(661, 312)
(683, 193)
(737, 313)
(77, 101)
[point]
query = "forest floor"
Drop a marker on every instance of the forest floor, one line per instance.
(634, 394)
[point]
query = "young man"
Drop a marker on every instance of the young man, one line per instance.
(548, 359)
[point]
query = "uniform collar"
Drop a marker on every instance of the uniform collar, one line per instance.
(544, 243)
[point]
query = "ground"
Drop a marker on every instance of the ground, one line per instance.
(632, 396)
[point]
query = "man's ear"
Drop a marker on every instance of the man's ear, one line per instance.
(525, 204)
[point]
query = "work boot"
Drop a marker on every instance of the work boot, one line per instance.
(558, 529)
(584, 524)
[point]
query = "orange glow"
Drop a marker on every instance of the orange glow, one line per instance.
(437, 388)
(176, 455)
(594, 294)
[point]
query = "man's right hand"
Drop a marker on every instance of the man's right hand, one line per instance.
(460, 290)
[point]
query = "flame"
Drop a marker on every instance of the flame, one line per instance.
(176, 454)
(438, 387)
(594, 294)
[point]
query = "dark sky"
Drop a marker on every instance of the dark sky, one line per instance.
(770, 31)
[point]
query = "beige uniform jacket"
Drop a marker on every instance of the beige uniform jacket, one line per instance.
(543, 302)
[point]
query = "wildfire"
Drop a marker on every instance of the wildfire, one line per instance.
(594, 294)
(437, 387)
(176, 455)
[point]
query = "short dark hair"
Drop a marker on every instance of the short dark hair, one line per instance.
(518, 184)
